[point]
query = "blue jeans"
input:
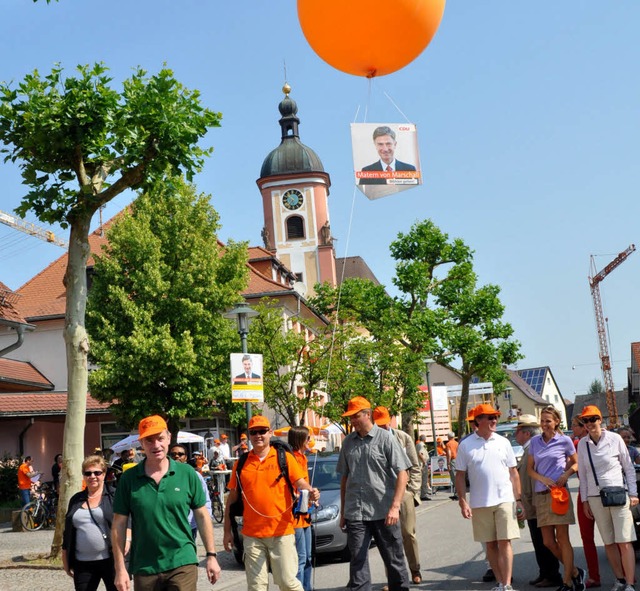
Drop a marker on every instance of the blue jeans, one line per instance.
(25, 496)
(303, 546)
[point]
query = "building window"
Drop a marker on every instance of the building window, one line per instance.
(295, 227)
(299, 277)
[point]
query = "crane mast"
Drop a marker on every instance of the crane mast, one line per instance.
(31, 229)
(605, 360)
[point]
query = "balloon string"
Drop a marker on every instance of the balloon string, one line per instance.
(396, 106)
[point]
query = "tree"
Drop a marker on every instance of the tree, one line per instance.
(155, 308)
(438, 312)
(78, 144)
(596, 387)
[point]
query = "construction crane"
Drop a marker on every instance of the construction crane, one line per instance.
(31, 229)
(594, 282)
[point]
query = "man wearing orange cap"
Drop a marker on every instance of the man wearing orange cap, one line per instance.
(374, 481)
(236, 449)
(158, 493)
(494, 486)
(411, 497)
(267, 526)
(224, 446)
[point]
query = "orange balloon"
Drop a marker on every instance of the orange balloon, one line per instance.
(369, 37)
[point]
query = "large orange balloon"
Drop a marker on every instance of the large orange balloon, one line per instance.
(369, 37)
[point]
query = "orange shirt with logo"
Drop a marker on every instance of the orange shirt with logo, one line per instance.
(24, 481)
(267, 499)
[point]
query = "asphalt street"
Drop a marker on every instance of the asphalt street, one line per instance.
(451, 560)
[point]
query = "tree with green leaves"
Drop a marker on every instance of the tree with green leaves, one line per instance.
(596, 387)
(78, 144)
(438, 313)
(154, 312)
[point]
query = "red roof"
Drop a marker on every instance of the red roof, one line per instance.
(8, 305)
(21, 373)
(53, 403)
(44, 295)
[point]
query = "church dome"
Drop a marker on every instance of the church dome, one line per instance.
(291, 155)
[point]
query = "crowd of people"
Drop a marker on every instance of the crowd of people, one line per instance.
(143, 532)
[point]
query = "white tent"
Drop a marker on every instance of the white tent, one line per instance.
(132, 441)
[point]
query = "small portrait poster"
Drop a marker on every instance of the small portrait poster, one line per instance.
(439, 471)
(385, 158)
(246, 377)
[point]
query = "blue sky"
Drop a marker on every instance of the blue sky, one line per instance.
(528, 121)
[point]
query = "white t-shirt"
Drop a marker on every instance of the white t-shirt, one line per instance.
(224, 450)
(487, 462)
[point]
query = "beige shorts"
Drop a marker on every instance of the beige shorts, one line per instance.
(615, 524)
(495, 523)
(544, 514)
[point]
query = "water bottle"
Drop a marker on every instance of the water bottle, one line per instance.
(519, 517)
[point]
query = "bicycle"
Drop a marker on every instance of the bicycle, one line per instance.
(217, 507)
(40, 512)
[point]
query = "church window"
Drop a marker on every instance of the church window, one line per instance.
(295, 227)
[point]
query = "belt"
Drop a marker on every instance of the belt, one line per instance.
(544, 492)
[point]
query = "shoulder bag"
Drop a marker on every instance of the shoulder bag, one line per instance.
(611, 496)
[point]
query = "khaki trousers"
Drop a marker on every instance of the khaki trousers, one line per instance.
(408, 529)
(278, 552)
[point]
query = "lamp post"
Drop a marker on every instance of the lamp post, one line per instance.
(427, 362)
(243, 313)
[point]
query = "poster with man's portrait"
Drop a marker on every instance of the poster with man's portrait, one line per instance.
(440, 471)
(246, 377)
(385, 158)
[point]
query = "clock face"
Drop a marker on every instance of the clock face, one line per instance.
(292, 199)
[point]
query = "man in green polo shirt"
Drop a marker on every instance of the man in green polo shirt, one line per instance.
(158, 494)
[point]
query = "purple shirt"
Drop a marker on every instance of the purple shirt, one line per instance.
(550, 458)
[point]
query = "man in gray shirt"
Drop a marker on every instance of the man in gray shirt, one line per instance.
(374, 479)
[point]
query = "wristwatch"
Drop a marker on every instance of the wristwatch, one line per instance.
(214, 554)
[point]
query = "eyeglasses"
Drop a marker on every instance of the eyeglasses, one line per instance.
(93, 473)
(488, 417)
(258, 431)
(590, 419)
(177, 454)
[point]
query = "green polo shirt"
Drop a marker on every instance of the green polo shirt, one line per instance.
(161, 533)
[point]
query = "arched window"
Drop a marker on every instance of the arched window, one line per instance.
(295, 227)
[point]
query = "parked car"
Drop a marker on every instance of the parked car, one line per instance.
(328, 538)
(508, 430)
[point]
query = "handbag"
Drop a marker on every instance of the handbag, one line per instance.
(559, 500)
(611, 496)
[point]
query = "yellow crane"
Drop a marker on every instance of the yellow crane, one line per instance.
(29, 228)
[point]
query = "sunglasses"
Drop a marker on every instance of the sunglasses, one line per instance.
(258, 431)
(177, 454)
(590, 419)
(93, 473)
(488, 417)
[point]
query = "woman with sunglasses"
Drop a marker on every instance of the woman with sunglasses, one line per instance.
(552, 460)
(86, 544)
(610, 460)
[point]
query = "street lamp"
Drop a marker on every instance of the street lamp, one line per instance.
(242, 313)
(428, 362)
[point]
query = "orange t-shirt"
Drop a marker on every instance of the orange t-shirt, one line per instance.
(24, 481)
(440, 449)
(267, 499)
(302, 520)
(452, 446)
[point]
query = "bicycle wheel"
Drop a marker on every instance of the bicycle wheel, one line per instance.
(33, 516)
(216, 509)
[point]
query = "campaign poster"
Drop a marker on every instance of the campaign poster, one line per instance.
(439, 471)
(386, 159)
(246, 377)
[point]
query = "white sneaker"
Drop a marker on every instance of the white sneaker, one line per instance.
(629, 587)
(508, 588)
(618, 586)
(498, 587)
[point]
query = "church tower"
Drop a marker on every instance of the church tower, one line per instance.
(295, 192)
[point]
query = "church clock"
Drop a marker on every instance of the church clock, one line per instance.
(292, 199)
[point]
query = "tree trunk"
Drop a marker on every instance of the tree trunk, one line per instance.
(77, 347)
(464, 401)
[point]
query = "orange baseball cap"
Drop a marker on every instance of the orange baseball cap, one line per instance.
(485, 409)
(381, 416)
(259, 421)
(224, 436)
(151, 426)
(590, 411)
(471, 414)
(216, 441)
(243, 436)
(356, 404)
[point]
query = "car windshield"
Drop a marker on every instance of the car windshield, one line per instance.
(323, 474)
